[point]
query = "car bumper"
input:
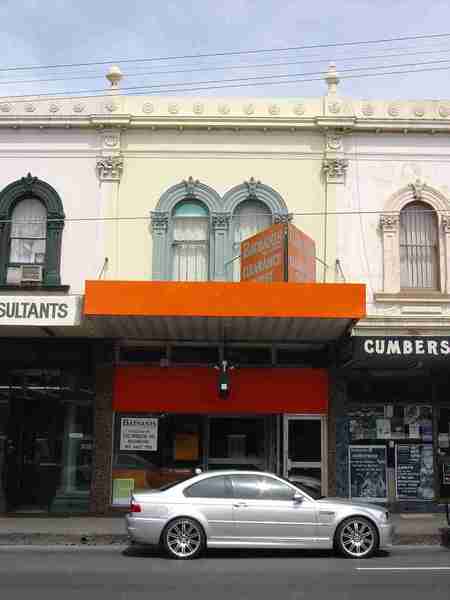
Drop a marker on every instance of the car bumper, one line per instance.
(387, 532)
(144, 530)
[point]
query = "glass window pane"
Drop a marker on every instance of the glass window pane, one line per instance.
(305, 440)
(273, 489)
(27, 251)
(248, 487)
(250, 217)
(29, 219)
(190, 262)
(236, 438)
(214, 487)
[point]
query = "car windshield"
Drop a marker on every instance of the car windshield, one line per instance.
(312, 493)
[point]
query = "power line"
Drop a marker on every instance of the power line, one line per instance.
(229, 67)
(236, 82)
(228, 53)
(237, 218)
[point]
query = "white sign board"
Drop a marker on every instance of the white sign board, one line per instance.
(138, 433)
(43, 311)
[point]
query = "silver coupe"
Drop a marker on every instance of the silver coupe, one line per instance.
(248, 509)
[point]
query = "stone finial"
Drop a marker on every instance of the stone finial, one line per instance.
(332, 79)
(114, 76)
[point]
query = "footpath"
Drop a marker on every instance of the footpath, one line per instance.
(31, 530)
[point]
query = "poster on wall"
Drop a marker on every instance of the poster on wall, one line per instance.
(138, 433)
(367, 472)
(414, 472)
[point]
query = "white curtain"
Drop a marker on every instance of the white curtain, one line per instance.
(190, 249)
(419, 247)
(250, 217)
(28, 232)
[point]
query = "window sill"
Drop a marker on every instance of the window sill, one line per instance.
(7, 287)
(413, 296)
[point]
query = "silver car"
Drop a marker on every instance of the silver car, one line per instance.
(248, 509)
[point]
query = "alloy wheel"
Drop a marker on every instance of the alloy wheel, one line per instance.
(357, 538)
(183, 538)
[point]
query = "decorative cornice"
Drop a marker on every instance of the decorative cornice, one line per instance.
(109, 168)
(191, 186)
(159, 222)
(389, 223)
(282, 218)
(445, 223)
(252, 187)
(334, 169)
(221, 221)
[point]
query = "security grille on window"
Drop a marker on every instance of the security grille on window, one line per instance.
(28, 237)
(190, 256)
(419, 250)
(250, 217)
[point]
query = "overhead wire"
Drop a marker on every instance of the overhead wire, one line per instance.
(229, 67)
(230, 53)
(232, 83)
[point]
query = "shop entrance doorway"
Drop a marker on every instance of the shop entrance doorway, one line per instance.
(305, 451)
(32, 453)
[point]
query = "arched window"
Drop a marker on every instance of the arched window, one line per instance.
(31, 225)
(250, 217)
(190, 252)
(419, 247)
(28, 235)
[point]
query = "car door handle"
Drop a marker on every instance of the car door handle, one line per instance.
(240, 505)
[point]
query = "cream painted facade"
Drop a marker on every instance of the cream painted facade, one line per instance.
(113, 158)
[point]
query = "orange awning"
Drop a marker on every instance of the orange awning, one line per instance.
(203, 311)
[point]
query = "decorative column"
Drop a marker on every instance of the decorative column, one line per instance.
(389, 225)
(54, 236)
(160, 255)
(220, 225)
(445, 223)
(334, 168)
(109, 169)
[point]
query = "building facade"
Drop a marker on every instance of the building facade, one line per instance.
(171, 363)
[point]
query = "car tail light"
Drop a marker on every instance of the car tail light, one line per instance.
(135, 507)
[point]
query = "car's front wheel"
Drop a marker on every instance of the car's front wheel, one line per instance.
(357, 537)
(183, 538)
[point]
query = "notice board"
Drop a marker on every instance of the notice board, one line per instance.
(367, 472)
(414, 472)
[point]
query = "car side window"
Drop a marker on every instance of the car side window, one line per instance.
(247, 487)
(273, 489)
(213, 487)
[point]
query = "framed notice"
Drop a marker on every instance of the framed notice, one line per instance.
(414, 472)
(367, 473)
(139, 433)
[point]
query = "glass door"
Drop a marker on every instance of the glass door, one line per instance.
(305, 452)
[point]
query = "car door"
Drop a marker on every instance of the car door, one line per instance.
(265, 512)
(211, 497)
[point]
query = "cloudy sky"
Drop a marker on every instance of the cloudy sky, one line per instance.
(54, 32)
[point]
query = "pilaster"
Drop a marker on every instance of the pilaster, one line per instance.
(220, 223)
(389, 225)
(159, 223)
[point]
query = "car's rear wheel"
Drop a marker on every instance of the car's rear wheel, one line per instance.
(357, 537)
(183, 538)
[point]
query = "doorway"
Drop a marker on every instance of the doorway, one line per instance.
(33, 453)
(305, 451)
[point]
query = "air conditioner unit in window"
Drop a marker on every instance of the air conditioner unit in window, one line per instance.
(31, 273)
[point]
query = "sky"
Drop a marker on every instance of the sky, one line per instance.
(40, 33)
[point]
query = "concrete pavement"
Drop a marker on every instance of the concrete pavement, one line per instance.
(410, 528)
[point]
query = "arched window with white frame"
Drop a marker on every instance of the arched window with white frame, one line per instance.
(250, 217)
(419, 247)
(190, 241)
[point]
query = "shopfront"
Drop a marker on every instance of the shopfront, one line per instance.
(170, 421)
(175, 412)
(394, 431)
(46, 405)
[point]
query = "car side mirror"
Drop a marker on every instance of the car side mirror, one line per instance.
(298, 498)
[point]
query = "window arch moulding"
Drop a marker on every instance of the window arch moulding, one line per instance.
(32, 187)
(162, 224)
(249, 190)
(390, 234)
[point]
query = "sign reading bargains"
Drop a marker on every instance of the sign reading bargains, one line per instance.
(280, 253)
